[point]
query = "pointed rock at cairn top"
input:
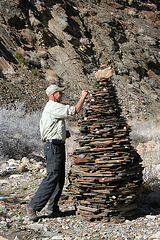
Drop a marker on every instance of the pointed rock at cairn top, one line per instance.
(106, 174)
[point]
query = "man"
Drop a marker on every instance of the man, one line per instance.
(53, 133)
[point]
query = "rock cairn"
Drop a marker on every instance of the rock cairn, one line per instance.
(106, 174)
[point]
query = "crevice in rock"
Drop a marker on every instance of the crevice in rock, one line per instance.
(117, 33)
(155, 67)
(17, 22)
(141, 71)
(6, 54)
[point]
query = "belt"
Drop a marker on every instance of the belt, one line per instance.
(55, 141)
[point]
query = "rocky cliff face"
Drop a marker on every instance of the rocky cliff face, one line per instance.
(66, 42)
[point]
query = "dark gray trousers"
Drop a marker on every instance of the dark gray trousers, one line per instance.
(51, 187)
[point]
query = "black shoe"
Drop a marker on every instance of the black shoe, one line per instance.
(54, 214)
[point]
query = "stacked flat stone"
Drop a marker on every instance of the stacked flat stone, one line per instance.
(107, 173)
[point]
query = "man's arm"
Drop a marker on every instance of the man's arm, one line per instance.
(81, 101)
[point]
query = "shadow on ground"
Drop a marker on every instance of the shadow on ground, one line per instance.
(63, 214)
(148, 204)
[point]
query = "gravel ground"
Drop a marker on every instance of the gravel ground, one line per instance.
(17, 188)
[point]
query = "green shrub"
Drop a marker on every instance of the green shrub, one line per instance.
(20, 57)
(35, 72)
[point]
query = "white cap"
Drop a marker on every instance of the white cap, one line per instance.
(52, 89)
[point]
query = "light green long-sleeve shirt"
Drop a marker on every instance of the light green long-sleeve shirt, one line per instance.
(52, 123)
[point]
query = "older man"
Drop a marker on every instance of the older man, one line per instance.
(53, 133)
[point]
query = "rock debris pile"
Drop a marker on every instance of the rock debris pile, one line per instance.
(106, 173)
